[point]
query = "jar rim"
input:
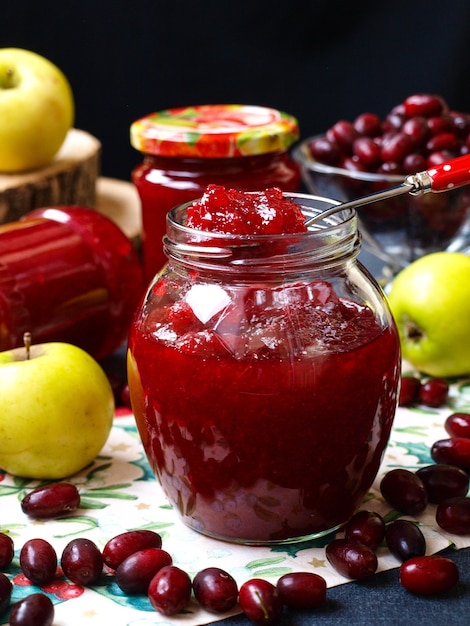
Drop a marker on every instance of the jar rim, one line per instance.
(334, 238)
(214, 131)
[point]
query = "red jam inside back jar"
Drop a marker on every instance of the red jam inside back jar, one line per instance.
(186, 149)
(263, 372)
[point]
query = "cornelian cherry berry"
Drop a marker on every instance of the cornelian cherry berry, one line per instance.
(215, 589)
(123, 545)
(409, 390)
(404, 491)
(7, 550)
(134, 573)
(37, 609)
(416, 134)
(302, 590)
(351, 558)
(452, 451)
(434, 392)
(443, 481)
(405, 540)
(169, 590)
(458, 425)
(424, 104)
(260, 601)
(82, 561)
(367, 527)
(453, 515)
(6, 588)
(38, 561)
(51, 500)
(429, 575)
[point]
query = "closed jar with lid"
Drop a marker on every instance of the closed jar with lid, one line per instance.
(263, 373)
(186, 149)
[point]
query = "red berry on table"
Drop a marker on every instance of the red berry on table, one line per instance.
(134, 573)
(409, 390)
(367, 527)
(36, 609)
(38, 561)
(82, 561)
(428, 575)
(6, 588)
(452, 451)
(434, 392)
(215, 589)
(404, 491)
(169, 591)
(260, 601)
(458, 425)
(123, 545)
(453, 515)
(443, 481)
(7, 550)
(302, 590)
(51, 500)
(405, 540)
(351, 558)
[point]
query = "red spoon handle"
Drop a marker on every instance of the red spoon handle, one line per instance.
(450, 174)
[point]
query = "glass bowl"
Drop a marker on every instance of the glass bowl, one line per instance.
(400, 229)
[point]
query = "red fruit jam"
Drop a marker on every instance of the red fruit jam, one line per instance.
(188, 148)
(230, 211)
(264, 391)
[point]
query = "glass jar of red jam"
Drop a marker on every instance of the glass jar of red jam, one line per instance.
(186, 149)
(263, 372)
(67, 274)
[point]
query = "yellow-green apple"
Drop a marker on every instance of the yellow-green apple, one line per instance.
(56, 410)
(430, 300)
(36, 110)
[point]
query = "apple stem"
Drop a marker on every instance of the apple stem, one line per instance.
(27, 344)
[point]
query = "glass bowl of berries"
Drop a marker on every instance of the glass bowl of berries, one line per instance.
(369, 154)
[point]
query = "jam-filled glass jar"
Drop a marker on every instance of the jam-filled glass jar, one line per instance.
(186, 149)
(263, 372)
(67, 273)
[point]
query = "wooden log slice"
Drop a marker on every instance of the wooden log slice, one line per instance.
(119, 201)
(69, 180)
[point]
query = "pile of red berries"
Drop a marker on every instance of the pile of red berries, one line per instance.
(139, 565)
(432, 392)
(418, 133)
(445, 484)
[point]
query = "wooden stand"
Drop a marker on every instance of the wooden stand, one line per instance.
(69, 180)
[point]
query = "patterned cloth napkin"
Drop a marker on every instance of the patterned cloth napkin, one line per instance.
(119, 493)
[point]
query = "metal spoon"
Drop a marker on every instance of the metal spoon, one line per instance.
(443, 177)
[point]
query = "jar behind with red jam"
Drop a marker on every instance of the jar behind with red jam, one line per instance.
(263, 373)
(186, 149)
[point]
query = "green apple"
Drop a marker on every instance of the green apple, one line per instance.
(36, 110)
(430, 300)
(56, 410)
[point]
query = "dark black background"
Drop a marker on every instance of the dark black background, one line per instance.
(320, 60)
